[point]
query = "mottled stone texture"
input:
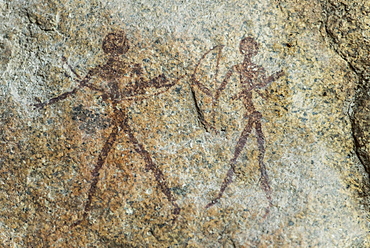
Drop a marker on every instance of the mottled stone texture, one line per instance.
(146, 124)
(348, 24)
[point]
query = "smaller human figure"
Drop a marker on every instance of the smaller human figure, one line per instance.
(251, 77)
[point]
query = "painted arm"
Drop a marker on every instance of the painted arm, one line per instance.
(270, 79)
(219, 90)
(82, 83)
(157, 82)
(224, 83)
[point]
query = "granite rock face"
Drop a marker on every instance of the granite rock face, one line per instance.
(348, 25)
(192, 124)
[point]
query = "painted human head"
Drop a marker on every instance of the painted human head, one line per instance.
(115, 43)
(248, 46)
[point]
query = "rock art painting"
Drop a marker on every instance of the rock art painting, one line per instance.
(120, 94)
(252, 77)
(125, 84)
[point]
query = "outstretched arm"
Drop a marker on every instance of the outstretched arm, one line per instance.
(270, 79)
(224, 83)
(56, 99)
(219, 90)
(157, 82)
(82, 83)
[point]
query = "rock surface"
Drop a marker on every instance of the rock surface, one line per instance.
(175, 133)
(348, 24)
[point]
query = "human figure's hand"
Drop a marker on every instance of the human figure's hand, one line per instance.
(39, 105)
(279, 74)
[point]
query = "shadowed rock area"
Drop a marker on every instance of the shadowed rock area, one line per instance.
(348, 26)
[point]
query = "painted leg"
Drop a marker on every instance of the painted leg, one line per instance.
(96, 172)
(230, 173)
(150, 165)
(265, 184)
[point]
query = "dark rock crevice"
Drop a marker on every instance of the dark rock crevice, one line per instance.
(345, 27)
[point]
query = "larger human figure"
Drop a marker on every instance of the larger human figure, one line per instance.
(122, 83)
(251, 78)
